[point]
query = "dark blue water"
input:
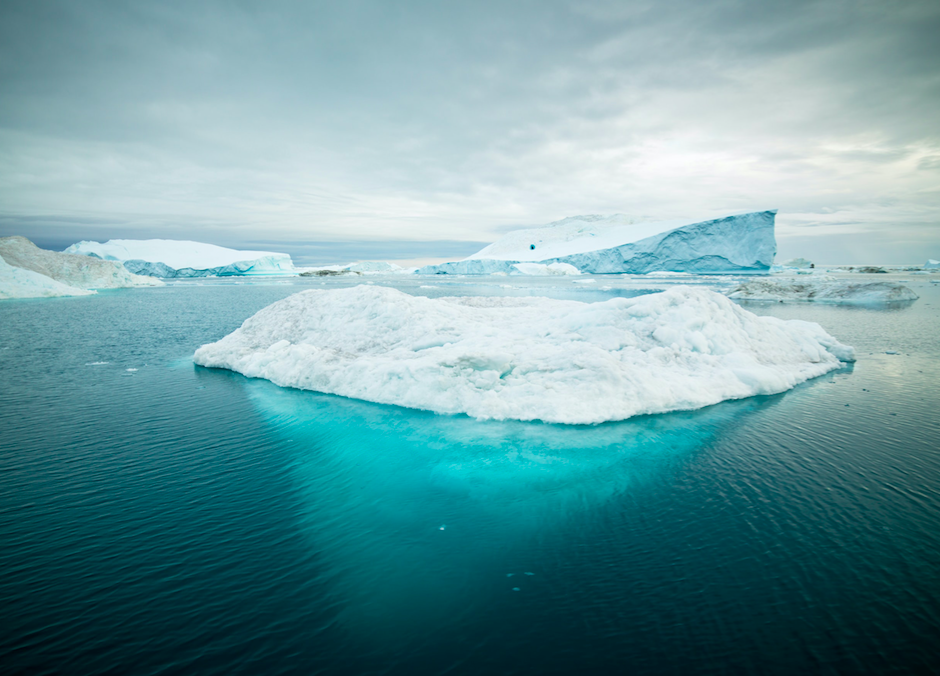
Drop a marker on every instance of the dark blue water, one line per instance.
(174, 519)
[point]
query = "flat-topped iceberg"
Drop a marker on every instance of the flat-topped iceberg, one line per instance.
(742, 243)
(526, 358)
(181, 258)
(80, 272)
(823, 289)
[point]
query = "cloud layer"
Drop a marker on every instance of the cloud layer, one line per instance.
(425, 121)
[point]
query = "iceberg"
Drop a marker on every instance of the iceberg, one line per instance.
(170, 258)
(18, 282)
(822, 290)
(76, 271)
(742, 243)
(931, 264)
(526, 358)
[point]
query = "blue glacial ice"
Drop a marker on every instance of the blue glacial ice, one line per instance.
(179, 258)
(737, 244)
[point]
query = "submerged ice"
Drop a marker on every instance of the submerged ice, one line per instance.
(526, 358)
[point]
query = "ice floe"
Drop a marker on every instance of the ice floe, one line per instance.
(823, 289)
(526, 358)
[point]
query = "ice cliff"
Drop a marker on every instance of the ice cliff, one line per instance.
(526, 358)
(180, 258)
(742, 243)
(78, 273)
(822, 290)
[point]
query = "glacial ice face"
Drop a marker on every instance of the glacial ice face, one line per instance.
(79, 271)
(16, 282)
(822, 290)
(526, 358)
(741, 243)
(181, 258)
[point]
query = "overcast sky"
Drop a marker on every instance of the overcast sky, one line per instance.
(347, 130)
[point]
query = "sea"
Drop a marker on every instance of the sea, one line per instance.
(157, 517)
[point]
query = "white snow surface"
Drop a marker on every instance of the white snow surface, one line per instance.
(822, 289)
(78, 271)
(526, 358)
(178, 254)
(17, 282)
(572, 235)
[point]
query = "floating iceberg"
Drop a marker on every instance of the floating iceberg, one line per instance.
(17, 282)
(742, 243)
(931, 264)
(181, 258)
(822, 290)
(526, 358)
(798, 264)
(75, 271)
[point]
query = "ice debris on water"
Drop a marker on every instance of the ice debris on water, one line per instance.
(515, 588)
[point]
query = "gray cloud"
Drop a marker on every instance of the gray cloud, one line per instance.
(426, 121)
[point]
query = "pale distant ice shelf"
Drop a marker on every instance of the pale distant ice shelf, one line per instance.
(181, 258)
(31, 272)
(741, 243)
(823, 289)
(526, 358)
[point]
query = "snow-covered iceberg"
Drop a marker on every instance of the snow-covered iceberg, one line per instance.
(742, 243)
(822, 290)
(931, 264)
(526, 358)
(77, 271)
(181, 258)
(16, 282)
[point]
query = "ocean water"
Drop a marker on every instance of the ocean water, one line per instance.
(159, 518)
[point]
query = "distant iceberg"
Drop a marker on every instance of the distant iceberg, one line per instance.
(72, 275)
(931, 264)
(18, 282)
(742, 243)
(822, 290)
(526, 358)
(171, 258)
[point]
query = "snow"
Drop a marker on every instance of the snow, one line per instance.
(182, 258)
(614, 244)
(20, 283)
(822, 289)
(526, 358)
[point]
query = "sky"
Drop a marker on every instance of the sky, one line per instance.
(405, 130)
